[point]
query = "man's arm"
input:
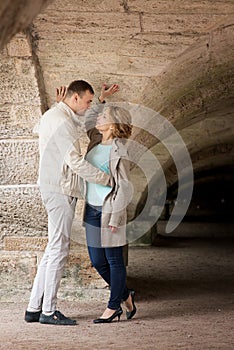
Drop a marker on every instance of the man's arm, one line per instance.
(92, 113)
(73, 156)
(84, 169)
(66, 139)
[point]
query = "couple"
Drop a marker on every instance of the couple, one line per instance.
(102, 176)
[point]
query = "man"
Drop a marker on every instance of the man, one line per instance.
(61, 165)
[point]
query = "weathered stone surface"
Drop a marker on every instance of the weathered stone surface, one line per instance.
(19, 121)
(87, 6)
(25, 243)
(18, 162)
(18, 82)
(18, 269)
(205, 90)
(142, 45)
(114, 65)
(79, 271)
(15, 262)
(154, 45)
(181, 7)
(88, 22)
(19, 47)
(180, 24)
(149, 37)
(19, 101)
(22, 212)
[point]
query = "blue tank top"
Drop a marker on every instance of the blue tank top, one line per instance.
(99, 157)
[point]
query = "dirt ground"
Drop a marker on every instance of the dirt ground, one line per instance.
(184, 297)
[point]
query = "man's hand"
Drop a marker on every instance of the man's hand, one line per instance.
(61, 93)
(108, 91)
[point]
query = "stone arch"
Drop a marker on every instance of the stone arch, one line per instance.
(199, 81)
(16, 17)
(195, 93)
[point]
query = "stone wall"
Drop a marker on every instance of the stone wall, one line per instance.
(23, 220)
(20, 111)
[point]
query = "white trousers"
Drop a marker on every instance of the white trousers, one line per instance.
(60, 209)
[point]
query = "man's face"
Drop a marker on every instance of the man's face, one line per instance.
(83, 103)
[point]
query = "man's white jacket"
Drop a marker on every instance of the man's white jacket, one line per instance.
(61, 163)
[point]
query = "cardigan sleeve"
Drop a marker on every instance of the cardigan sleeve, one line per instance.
(122, 194)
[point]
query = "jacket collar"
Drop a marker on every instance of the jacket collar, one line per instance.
(65, 108)
(117, 146)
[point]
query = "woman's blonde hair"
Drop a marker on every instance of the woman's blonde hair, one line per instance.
(122, 121)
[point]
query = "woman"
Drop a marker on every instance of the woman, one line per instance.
(105, 212)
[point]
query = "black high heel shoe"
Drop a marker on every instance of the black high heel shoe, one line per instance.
(130, 314)
(117, 313)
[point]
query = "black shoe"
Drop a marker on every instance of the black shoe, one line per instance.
(57, 318)
(130, 314)
(32, 316)
(117, 313)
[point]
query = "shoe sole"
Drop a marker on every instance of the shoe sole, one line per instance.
(58, 323)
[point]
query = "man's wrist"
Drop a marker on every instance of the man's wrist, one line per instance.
(101, 99)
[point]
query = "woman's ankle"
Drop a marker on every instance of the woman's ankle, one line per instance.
(108, 313)
(128, 303)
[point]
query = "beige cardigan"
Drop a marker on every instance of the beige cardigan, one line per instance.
(114, 210)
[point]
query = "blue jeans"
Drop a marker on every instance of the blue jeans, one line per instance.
(108, 262)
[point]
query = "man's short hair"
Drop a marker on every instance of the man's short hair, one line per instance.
(79, 86)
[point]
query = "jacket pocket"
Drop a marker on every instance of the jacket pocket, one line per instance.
(71, 200)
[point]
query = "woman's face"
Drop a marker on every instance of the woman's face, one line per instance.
(104, 122)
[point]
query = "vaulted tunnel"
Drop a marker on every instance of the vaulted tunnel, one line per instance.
(172, 58)
(196, 95)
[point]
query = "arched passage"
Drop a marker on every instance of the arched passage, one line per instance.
(196, 95)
